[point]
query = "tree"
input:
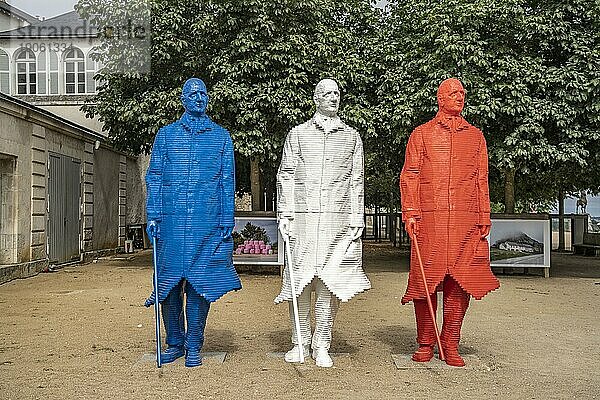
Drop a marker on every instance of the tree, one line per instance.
(259, 59)
(254, 232)
(565, 37)
(531, 69)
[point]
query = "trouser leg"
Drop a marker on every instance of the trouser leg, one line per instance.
(425, 327)
(196, 310)
(456, 302)
(326, 306)
(303, 301)
(172, 313)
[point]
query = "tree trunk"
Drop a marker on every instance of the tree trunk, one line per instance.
(256, 185)
(561, 220)
(509, 191)
(392, 219)
(270, 190)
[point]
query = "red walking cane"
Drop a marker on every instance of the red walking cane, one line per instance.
(431, 312)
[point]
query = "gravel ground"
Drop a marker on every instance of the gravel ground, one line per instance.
(81, 332)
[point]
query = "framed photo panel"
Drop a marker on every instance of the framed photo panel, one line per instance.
(257, 241)
(520, 243)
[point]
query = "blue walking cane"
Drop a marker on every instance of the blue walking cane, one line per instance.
(156, 303)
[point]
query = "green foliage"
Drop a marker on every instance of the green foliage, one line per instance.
(531, 69)
(381, 181)
(532, 73)
(237, 239)
(254, 232)
(259, 59)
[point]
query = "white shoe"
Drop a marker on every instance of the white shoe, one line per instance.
(322, 358)
(293, 356)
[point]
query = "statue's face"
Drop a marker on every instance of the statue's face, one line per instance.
(451, 97)
(194, 97)
(327, 97)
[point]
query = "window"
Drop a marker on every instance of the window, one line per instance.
(41, 67)
(53, 68)
(26, 76)
(47, 66)
(4, 72)
(91, 68)
(74, 71)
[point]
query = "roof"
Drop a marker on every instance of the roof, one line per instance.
(41, 115)
(68, 25)
(14, 11)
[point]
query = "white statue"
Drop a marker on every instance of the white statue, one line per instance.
(320, 202)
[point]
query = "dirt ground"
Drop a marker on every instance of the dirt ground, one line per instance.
(80, 333)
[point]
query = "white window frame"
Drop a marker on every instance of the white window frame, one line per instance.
(91, 69)
(5, 73)
(50, 72)
(28, 62)
(78, 72)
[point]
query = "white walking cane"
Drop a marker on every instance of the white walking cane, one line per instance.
(288, 254)
(156, 304)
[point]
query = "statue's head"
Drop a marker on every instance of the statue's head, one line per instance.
(451, 96)
(327, 97)
(194, 97)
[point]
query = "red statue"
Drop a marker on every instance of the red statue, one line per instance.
(445, 203)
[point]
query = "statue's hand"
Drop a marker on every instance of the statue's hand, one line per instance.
(412, 227)
(284, 227)
(356, 232)
(484, 230)
(227, 231)
(152, 229)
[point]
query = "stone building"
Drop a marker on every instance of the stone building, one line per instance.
(65, 194)
(12, 18)
(48, 63)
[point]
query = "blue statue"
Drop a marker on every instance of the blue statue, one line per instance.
(190, 187)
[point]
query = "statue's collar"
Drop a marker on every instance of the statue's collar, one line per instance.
(195, 124)
(327, 124)
(451, 121)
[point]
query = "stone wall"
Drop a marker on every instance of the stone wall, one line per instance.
(107, 180)
(106, 200)
(136, 190)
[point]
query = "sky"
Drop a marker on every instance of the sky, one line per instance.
(48, 8)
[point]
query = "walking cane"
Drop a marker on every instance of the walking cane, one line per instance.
(288, 254)
(431, 312)
(156, 304)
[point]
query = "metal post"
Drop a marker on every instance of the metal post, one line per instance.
(288, 254)
(156, 303)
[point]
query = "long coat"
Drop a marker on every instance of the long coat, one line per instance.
(320, 188)
(190, 190)
(444, 185)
